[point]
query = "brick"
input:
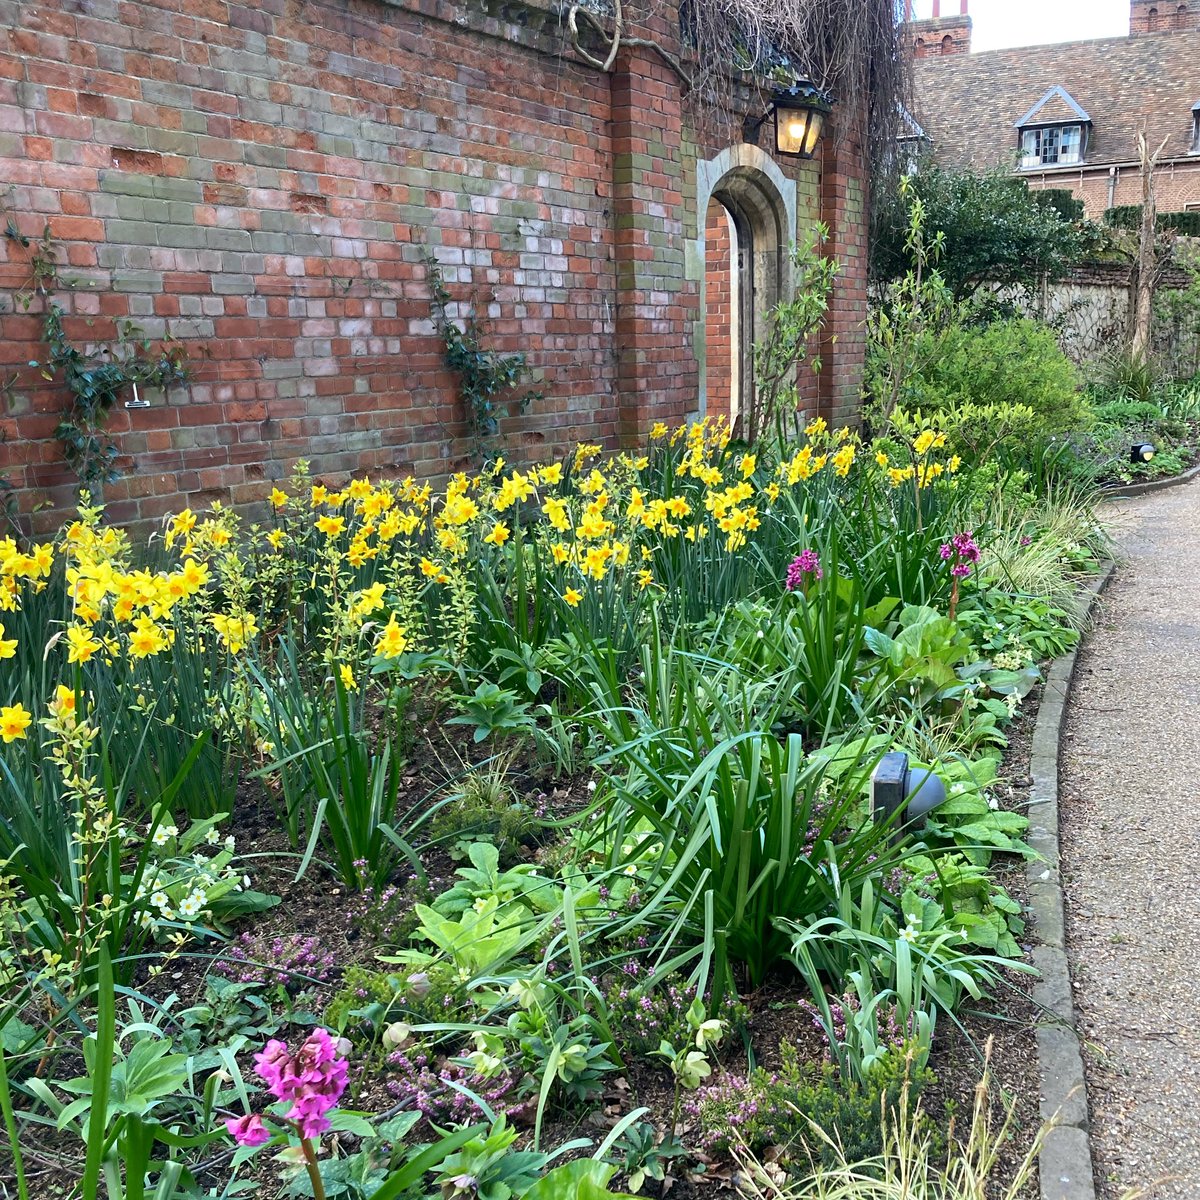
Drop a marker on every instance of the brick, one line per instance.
(265, 190)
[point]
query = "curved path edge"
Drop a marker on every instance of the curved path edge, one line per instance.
(1065, 1165)
(1129, 491)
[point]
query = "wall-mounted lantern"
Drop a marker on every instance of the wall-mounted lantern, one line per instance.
(800, 112)
(911, 792)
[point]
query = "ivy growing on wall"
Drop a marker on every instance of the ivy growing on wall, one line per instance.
(95, 375)
(484, 375)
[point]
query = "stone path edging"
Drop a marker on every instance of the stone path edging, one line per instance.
(1065, 1167)
(1129, 491)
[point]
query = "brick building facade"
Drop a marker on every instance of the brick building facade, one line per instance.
(261, 181)
(1068, 115)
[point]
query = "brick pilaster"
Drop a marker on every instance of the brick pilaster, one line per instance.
(656, 304)
(844, 210)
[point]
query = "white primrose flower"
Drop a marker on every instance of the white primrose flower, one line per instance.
(212, 837)
(189, 907)
(160, 900)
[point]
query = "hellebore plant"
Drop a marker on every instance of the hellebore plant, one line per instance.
(311, 1081)
(691, 1067)
(960, 553)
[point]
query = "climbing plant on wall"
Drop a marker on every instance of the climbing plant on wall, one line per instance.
(485, 376)
(95, 375)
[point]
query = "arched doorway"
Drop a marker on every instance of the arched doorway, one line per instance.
(726, 280)
(747, 221)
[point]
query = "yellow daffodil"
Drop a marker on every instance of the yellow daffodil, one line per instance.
(63, 704)
(392, 642)
(572, 597)
(8, 646)
(146, 639)
(556, 512)
(81, 645)
(499, 535)
(14, 720)
(234, 632)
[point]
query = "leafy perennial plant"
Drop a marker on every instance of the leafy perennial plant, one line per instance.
(637, 698)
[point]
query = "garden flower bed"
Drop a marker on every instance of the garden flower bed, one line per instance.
(515, 838)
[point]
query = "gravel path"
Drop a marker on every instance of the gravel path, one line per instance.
(1130, 787)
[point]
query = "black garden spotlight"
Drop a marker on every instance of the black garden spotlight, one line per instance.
(1141, 452)
(911, 792)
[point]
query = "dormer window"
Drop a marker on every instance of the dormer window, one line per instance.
(1051, 145)
(1053, 133)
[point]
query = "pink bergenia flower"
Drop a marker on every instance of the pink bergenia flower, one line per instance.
(801, 568)
(312, 1080)
(248, 1130)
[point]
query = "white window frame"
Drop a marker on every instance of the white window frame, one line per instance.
(1046, 146)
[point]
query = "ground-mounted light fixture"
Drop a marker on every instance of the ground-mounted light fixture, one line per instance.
(902, 794)
(800, 112)
(1141, 452)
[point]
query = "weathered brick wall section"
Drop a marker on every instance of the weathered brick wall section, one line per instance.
(657, 373)
(262, 182)
(718, 310)
(844, 208)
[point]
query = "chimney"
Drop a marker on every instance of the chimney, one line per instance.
(936, 36)
(1163, 16)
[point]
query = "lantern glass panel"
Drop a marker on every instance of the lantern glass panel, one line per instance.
(797, 130)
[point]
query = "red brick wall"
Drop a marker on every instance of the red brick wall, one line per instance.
(719, 314)
(262, 180)
(1177, 186)
(844, 209)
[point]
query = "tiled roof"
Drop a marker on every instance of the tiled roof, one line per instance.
(970, 104)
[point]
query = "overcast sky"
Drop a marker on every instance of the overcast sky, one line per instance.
(1000, 23)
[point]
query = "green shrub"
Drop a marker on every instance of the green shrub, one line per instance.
(1008, 363)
